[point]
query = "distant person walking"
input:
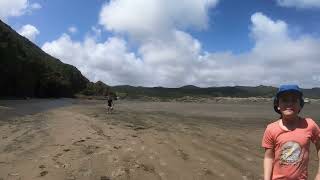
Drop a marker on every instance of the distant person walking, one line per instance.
(287, 140)
(110, 103)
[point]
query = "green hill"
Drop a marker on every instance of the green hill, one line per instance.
(235, 91)
(27, 71)
(99, 88)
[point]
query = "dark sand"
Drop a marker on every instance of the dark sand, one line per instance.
(77, 139)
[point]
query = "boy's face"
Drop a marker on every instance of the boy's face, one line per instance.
(289, 104)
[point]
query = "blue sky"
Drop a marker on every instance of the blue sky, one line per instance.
(228, 26)
(200, 42)
(231, 23)
(55, 17)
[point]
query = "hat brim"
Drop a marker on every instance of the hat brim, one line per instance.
(290, 91)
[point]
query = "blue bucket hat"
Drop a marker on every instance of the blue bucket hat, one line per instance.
(287, 88)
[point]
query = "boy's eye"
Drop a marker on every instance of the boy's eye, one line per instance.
(288, 100)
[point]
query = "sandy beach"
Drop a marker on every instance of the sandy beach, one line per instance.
(73, 139)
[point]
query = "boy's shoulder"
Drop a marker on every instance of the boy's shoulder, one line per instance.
(310, 121)
(273, 124)
(273, 127)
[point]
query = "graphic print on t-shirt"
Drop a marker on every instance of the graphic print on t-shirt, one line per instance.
(290, 153)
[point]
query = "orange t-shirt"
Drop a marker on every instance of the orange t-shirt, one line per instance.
(291, 148)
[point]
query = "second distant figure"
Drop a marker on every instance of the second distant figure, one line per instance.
(110, 103)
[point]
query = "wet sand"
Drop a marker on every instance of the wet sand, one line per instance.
(77, 139)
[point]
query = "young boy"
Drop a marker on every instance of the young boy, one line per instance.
(287, 140)
(110, 103)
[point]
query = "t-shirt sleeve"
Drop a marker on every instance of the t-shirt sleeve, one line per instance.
(315, 137)
(267, 140)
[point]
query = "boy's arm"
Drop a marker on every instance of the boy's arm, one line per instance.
(268, 163)
(318, 153)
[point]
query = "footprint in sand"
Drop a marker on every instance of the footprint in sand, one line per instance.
(148, 167)
(163, 163)
(78, 142)
(105, 178)
(86, 172)
(43, 173)
(182, 154)
(162, 175)
(118, 172)
(133, 142)
(151, 157)
(90, 149)
(244, 177)
(129, 150)
(113, 159)
(57, 156)
(207, 171)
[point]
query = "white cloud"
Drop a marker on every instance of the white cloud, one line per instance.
(12, 8)
(263, 29)
(299, 3)
(160, 51)
(109, 61)
(35, 6)
(72, 29)
(95, 33)
(157, 18)
(29, 32)
(171, 61)
(16, 8)
(112, 62)
(166, 55)
(275, 58)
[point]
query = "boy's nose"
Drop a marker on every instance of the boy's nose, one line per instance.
(290, 103)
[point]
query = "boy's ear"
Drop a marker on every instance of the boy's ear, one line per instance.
(276, 105)
(301, 102)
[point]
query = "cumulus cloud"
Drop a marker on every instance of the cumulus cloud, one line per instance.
(12, 8)
(35, 6)
(162, 47)
(109, 61)
(16, 8)
(265, 30)
(299, 3)
(29, 32)
(156, 63)
(72, 29)
(95, 32)
(166, 55)
(275, 58)
(171, 61)
(158, 17)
